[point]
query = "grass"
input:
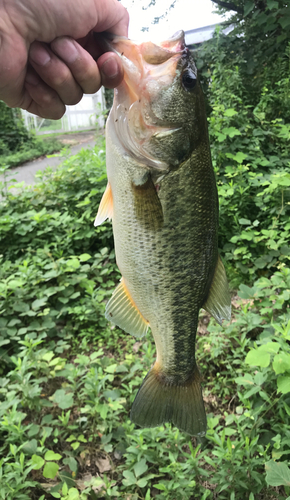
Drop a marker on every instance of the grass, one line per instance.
(68, 377)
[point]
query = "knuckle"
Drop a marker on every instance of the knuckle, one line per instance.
(62, 79)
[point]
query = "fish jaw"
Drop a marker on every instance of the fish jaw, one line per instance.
(149, 69)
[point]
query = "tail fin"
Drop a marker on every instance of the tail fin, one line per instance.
(159, 400)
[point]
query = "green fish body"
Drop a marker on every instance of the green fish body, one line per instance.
(163, 202)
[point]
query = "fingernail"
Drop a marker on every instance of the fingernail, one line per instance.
(110, 68)
(66, 49)
(32, 79)
(39, 54)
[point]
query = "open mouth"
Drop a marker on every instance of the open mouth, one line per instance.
(148, 69)
(146, 62)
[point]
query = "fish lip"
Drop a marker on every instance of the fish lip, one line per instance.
(147, 69)
(145, 54)
(143, 62)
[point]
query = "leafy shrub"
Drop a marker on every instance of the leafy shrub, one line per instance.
(54, 262)
(30, 150)
(13, 134)
(246, 80)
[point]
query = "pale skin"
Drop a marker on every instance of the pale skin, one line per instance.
(49, 56)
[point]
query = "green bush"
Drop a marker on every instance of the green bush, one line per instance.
(17, 144)
(30, 150)
(13, 134)
(245, 75)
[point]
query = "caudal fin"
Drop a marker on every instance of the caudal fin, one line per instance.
(159, 400)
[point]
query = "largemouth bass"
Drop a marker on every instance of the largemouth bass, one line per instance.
(162, 199)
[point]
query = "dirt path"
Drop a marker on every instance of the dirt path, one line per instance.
(27, 171)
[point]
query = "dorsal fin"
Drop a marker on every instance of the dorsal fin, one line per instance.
(218, 302)
(122, 311)
(106, 207)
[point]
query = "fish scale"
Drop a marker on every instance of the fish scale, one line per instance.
(162, 199)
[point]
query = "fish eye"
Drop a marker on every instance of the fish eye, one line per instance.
(188, 80)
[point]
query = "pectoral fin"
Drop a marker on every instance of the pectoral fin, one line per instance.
(122, 311)
(218, 302)
(147, 205)
(106, 207)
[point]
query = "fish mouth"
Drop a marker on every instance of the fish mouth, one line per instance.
(148, 68)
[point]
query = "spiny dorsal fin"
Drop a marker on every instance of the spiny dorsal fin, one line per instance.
(106, 207)
(122, 311)
(218, 303)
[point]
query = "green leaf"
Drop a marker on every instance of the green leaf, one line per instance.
(63, 399)
(37, 462)
(50, 455)
(50, 470)
(111, 368)
(261, 262)
(277, 473)
(272, 4)
(142, 482)
(159, 486)
(48, 356)
(231, 131)
(283, 384)
(284, 21)
(36, 304)
(73, 494)
(281, 362)
(221, 137)
(30, 447)
(230, 112)
(64, 489)
(72, 463)
(245, 222)
(140, 467)
(271, 347)
(239, 157)
(130, 478)
(73, 263)
(248, 7)
(245, 380)
(15, 284)
(245, 292)
(85, 257)
(256, 357)
(148, 496)
(252, 391)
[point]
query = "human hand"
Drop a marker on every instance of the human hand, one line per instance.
(48, 52)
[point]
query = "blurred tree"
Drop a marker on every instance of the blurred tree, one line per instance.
(13, 134)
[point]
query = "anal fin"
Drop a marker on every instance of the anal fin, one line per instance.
(122, 311)
(106, 207)
(218, 302)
